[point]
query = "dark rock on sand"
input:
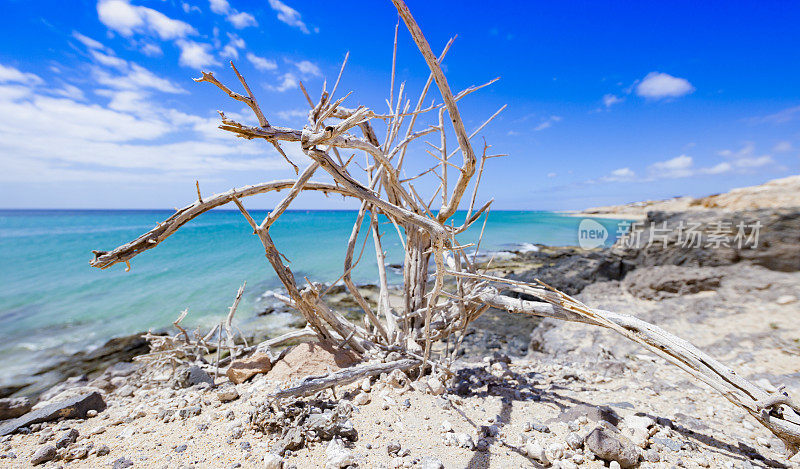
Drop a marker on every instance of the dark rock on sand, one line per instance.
(75, 407)
(13, 407)
(610, 446)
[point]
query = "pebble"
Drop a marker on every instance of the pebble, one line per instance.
(393, 447)
(465, 441)
(574, 441)
(67, 438)
(181, 448)
(430, 463)
(337, 456)
(536, 452)
(122, 463)
(554, 451)
(273, 461)
(362, 399)
(102, 450)
(43, 454)
(227, 394)
(436, 386)
(446, 427)
(786, 299)
(190, 411)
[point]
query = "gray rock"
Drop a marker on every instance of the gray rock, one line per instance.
(122, 463)
(181, 448)
(75, 407)
(197, 375)
(610, 446)
(670, 280)
(43, 454)
(67, 438)
(190, 411)
(13, 407)
(102, 450)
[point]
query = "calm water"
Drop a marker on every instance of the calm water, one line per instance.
(52, 302)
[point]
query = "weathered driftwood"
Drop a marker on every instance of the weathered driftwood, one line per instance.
(313, 384)
(428, 313)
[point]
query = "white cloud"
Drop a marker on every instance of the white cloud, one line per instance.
(618, 175)
(109, 60)
(755, 162)
(718, 169)
(242, 20)
(261, 63)
(551, 175)
(126, 19)
(70, 91)
(135, 78)
(132, 138)
(610, 100)
(658, 85)
(308, 68)
(13, 75)
(195, 54)
(780, 117)
(289, 15)
(746, 157)
(288, 82)
(151, 50)
(680, 166)
(232, 48)
(87, 41)
(293, 114)
(219, 7)
(239, 20)
(547, 123)
(187, 8)
(782, 147)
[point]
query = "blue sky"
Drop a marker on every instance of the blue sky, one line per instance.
(608, 102)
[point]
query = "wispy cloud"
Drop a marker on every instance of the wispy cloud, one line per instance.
(657, 85)
(610, 100)
(261, 63)
(239, 19)
(780, 117)
(12, 75)
(547, 123)
(289, 15)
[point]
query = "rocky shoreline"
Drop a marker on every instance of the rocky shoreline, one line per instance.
(527, 392)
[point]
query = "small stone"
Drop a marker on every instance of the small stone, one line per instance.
(102, 450)
(125, 391)
(652, 455)
(273, 461)
(190, 411)
(76, 452)
(366, 385)
(67, 438)
(614, 465)
(748, 426)
(574, 441)
(536, 452)
(362, 399)
(554, 451)
(43, 454)
(181, 448)
(436, 386)
(197, 376)
(446, 427)
(786, 299)
(702, 461)
(243, 369)
(489, 430)
(227, 394)
(612, 447)
(122, 463)
(393, 447)
(430, 463)
(337, 456)
(534, 425)
(763, 441)
(465, 441)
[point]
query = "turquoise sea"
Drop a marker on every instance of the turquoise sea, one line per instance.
(53, 303)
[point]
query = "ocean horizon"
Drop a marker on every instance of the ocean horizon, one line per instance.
(52, 303)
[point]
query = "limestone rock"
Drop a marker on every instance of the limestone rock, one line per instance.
(243, 369)
(76, 407)
(13, 407)
(311, 359)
